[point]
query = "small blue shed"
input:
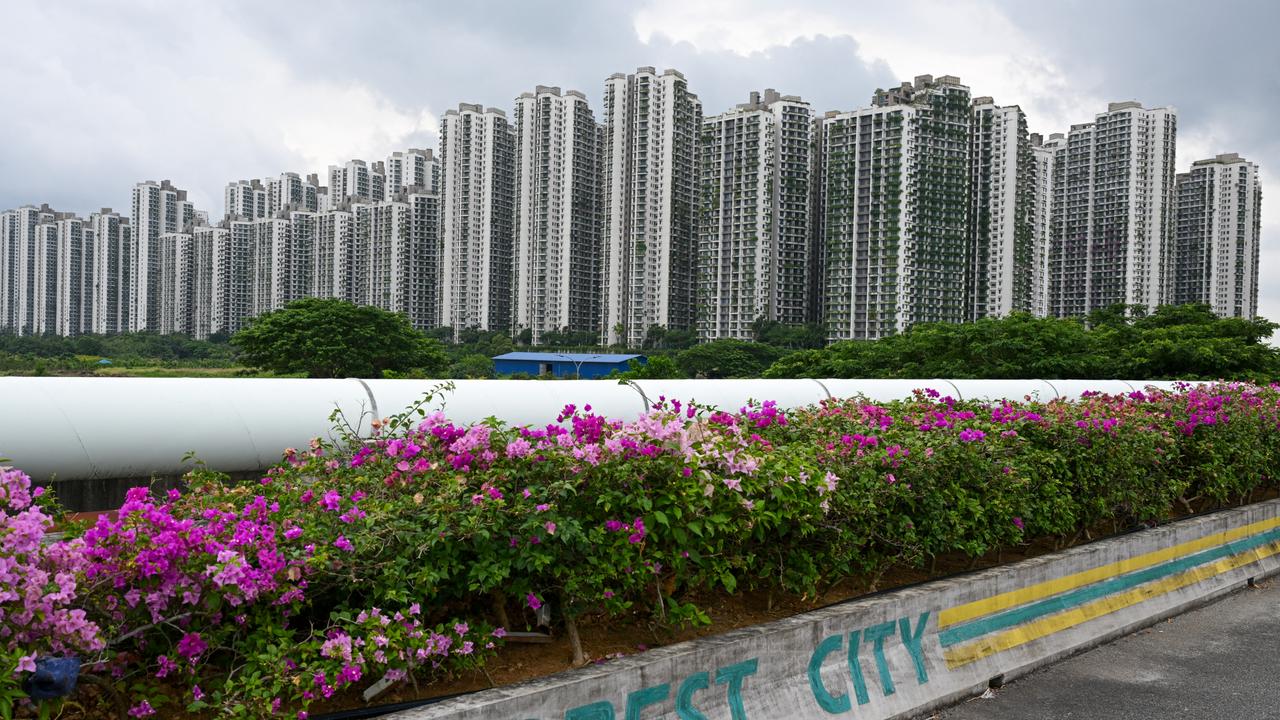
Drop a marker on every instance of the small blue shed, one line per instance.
(587, 366)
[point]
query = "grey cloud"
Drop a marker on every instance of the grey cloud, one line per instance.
(125, 93)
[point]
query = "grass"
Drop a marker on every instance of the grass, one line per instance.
(177, 372)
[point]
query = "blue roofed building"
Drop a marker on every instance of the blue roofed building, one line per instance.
(587, 366)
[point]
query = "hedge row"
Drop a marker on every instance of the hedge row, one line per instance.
(410, 553)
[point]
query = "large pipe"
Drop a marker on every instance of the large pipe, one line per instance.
(115, 428)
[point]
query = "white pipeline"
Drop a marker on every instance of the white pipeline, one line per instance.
(110, 428)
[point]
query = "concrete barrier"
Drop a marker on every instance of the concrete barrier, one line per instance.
(904, 653)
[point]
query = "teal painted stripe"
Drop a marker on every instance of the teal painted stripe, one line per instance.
(1026, 613)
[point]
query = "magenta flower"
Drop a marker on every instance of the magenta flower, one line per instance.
(1018, 522)
(342, 543)
(166, 666)
(142, 709)
(192, 646)
(551, 528)
(331, 501)
(533, 601)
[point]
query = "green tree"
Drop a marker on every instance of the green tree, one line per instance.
(325, 337)
(658, 367)
(727, 359)
(472, 367)
(772, 332)
(1122, 341)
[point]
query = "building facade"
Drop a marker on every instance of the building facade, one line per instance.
(896, 181)
(753, 254)
(651, 129)
(1218, 217)
(1043, 153)
(556, 257)
(73, 289)
(414, 168)
(477, 213)
(1114, 182)
(112, 272)
(247, 199)
(1001, 212)
(231, 248)
(158, 208)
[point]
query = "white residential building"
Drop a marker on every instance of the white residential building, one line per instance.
(377, 181)
(351, 182)
(1002, 183)
(288, 191)
(9, 270)
(477, 155)
(21, 262)
(158, 208)
(174, 286)
(651, 128)
(112, 272)
(423, 257)
(73, 313)
(1043, 153)
(1113, 186)
(231, 249)
(247, 199)
(895, 196)
(753, 255)
(337, 263)
(557, 234)
(1216, 241)
(44, 289)
(280, 262)
(398, 240)
(413, 168)
(187, 281)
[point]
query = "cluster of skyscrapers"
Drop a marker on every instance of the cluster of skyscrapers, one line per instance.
(929, 205)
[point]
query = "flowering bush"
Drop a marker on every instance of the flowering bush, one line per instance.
(38, 588)
(409, 553)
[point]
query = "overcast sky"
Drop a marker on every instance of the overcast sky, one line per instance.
(95, 96)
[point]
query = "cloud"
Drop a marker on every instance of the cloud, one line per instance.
(177, 92)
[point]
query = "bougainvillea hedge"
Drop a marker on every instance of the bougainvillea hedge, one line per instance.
(407, 555)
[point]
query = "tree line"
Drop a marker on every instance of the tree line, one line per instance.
(332, 338)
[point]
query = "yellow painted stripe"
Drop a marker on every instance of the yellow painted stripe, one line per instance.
(1000, 642)
(1013, 598)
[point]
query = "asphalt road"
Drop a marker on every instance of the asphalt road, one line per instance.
(1220, 661)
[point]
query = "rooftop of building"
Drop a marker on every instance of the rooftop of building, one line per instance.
(580, 358)
(1222, 159)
